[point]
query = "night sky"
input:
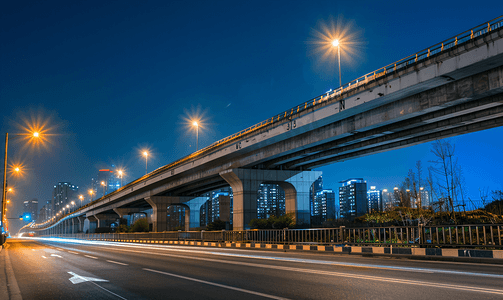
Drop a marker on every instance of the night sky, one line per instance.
(110, 78)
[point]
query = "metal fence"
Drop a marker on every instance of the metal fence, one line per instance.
(469, 236)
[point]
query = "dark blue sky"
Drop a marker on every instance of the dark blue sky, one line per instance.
(119, 76)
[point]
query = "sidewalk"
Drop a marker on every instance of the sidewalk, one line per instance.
(8, 284)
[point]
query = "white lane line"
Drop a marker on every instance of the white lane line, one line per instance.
(44, 256)
(93, 257)
(338, 274)
(116, 262)
(217, 284)
(287, 259)
(72, 252)
(57, 255)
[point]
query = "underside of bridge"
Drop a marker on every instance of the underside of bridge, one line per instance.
(460, 107)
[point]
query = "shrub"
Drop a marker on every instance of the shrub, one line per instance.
(216, 225)
(141, 225)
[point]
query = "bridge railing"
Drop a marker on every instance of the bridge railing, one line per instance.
(468, 236)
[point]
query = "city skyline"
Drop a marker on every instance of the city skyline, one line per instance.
(110, 99)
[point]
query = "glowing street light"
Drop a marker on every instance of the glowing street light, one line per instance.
(81, 197)
(91, 192)
(4, 190)
(195, 124)
(145, 153)
(120, 174)
(336, 43)
(104, 186)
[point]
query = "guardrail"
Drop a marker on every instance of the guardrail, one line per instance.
(467, 236)
(314, 103)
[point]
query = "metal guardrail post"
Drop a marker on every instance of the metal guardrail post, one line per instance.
(223, 235)
(421, 235)
(341, 233)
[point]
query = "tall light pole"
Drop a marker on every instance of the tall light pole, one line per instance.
(4, 190)
(120, 174)
(91, 192)
(197, 134)
(336, 43)
(145, 153)
(81, 198)
(104, 186)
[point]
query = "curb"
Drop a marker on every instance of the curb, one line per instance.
(464, 255)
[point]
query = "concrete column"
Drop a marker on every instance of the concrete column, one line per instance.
(104, 220)
(123, 211)
(90, 224)
(195, 209)
(160, 207)
(81, 224)
(297, 190)
(246, 182)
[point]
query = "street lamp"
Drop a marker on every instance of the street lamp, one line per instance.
(336, 43)
(81, 198)
(104, 186)
(91, 192)
(35, 134)
(145, 153)
(197, 134)
(120, 174)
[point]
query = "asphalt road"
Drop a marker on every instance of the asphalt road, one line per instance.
(64, 269)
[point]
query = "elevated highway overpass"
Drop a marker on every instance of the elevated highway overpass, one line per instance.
(454, 87)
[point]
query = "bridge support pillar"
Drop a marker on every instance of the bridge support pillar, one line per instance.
(90, 224)
(246, 182)
(81, 224)
(104, 220)
(123, 211)
(160, 207)
(195, 208)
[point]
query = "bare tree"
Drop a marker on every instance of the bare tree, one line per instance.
(448, 173)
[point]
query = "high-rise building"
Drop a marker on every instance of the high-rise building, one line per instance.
(64, 193)
(215, 204)
(45, 212)
(107, 181)
(353, 198)
(315, 202)
(270, 201)
(424, 198)
(176, 217)
(390, 198)
(374, 197)
(324, 207)
(31, 207)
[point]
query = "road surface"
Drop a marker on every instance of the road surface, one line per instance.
(66, 269)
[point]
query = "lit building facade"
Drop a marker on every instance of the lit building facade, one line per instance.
(353, 198)
(107, 181)
(45, 212)
(64, 193)
(425, 198)
(374, 197)
(270, 201)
